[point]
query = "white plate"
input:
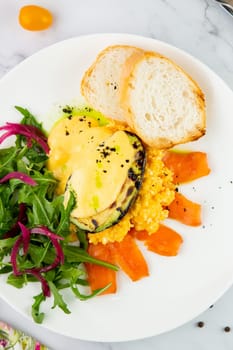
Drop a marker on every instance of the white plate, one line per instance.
(179, 288)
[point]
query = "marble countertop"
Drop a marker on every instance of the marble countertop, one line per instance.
(199, 27)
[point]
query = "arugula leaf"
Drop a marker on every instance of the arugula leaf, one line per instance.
(7, 159)
(38, 316)
(82, 237)
(82, 282)
(63, 228)
(58, 299)
(5, 269)
(42, 211)
(29, 118)
(89, 296)
(16, 281)
(39, 258)
(7, 242)
(6, 197)
(78, 255)
(69, 272)
(21, 280)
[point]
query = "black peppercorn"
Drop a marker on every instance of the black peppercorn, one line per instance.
(200, 324)
(227, 329)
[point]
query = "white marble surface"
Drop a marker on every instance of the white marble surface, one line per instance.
(201, 28)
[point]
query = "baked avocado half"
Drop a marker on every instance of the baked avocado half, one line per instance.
(107, 187)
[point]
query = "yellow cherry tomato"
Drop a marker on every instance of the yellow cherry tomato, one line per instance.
(32, 17)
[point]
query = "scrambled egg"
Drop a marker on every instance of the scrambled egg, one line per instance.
(157, 192)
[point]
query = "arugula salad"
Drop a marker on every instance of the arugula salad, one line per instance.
(35, 227)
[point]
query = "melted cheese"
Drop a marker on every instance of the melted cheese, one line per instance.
(71, 142)
(99, 180)
(95, 159)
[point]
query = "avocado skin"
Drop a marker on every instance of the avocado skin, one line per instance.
(128, 194)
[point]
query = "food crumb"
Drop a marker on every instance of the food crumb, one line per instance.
(200, 324)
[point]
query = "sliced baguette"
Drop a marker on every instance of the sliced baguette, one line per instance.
(101, 82)
(162, 104)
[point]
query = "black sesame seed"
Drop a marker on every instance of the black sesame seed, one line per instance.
(70, 117)
(95, 223)
(139, 162)
(177, 189)
(105, 154)
(138, 184)
(131, 175)
(104, 171)
(127, 160)
(211, 306)
(67, 133)
(88, 109)
(140, 154)
(67, 110)
(120, 210)
(122, 165)
(113, 205)
(130, 190)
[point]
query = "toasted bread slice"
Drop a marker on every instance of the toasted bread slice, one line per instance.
(162, 104)
(101, 82)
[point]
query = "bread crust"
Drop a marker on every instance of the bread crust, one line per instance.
(158, 142)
